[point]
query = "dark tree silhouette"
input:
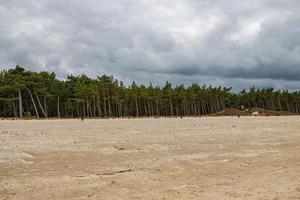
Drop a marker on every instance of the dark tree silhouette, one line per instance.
(42, 95)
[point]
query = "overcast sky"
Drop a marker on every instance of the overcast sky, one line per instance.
(236, 43)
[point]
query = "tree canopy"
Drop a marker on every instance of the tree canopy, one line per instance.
(42, 95)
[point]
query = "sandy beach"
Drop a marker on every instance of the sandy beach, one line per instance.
(163, 158)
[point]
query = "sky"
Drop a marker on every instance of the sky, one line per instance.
(236, 43)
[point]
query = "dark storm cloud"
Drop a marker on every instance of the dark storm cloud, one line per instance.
(215, 42)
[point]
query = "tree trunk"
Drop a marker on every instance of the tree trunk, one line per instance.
(15, 110)
(99, 107)
(109, 108)
(94, 107)
(58, 109)
(36, 111)
(87, 108)
(136, 107)
(45, 107)
(171, 107)
(104, 106)
(20, 104)
(39, 102)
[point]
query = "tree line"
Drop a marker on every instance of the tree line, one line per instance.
(26, 93)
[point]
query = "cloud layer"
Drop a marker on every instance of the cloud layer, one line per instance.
(219, 42)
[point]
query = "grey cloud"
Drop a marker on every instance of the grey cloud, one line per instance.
(220, 42)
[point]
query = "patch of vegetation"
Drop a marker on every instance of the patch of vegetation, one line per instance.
(40, 95)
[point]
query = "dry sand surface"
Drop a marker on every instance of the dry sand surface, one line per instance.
(191, 158)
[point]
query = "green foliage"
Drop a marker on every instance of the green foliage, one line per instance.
(41, 94)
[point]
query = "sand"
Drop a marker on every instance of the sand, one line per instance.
(190, 158)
